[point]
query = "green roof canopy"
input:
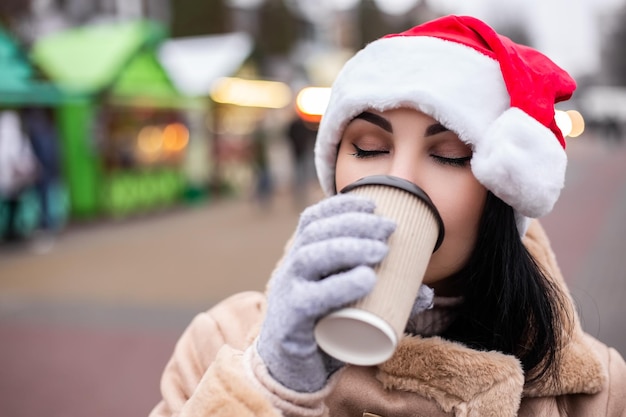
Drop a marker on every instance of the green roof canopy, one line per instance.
(144, 82)
(144, 76)
(90, 59)
(18, 85)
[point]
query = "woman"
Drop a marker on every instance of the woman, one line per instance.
(469, 117)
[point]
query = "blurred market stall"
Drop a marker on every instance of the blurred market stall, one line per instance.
(153, 120)
(118, 88)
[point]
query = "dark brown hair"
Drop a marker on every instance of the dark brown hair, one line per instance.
(509, 304)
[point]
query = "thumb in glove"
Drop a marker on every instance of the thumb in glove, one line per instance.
(423, 302)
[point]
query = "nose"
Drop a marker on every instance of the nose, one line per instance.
(405, 166)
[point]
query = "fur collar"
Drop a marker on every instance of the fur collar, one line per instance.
(491, 383)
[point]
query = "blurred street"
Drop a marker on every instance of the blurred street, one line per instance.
(87, 327)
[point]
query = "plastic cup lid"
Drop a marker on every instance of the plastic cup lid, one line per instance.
(402, 184)
(356, 336)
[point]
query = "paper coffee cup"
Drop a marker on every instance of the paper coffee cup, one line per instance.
(367, 332)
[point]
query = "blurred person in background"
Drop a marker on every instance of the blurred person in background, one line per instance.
(264, 183)
(301, 137)
(18, 170)
(468, 116)
(39, 127)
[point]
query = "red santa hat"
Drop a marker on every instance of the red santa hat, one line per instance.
(496, 95)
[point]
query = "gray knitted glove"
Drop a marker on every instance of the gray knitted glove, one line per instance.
(424, 301)
(337, 242)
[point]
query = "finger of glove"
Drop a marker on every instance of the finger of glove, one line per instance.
(337, 204)
(424, 301)
(320, 259)
(358, 225)
(319, 298)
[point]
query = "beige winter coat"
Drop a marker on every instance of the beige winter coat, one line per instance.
(212, 373)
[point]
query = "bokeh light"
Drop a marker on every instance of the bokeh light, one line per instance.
(150, 140)
(311, 103)
(563, 122)
(578, 123)
(251, 93)
(175, 137)
(571, 122)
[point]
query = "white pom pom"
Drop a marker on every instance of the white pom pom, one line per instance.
(522, 162)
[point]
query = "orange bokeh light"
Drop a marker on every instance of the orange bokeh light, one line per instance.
(175, 137)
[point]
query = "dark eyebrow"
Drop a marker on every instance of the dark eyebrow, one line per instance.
(435, 128)
(375, 119)
(383, 123)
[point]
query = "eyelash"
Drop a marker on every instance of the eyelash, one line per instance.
(457, 162)
(362, 153)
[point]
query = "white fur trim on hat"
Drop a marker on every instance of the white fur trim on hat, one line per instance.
(424, 73)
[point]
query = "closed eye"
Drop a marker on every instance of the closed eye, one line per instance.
(363, 153)
(457, 162)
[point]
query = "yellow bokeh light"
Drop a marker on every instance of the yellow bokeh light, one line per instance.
(150, 139)
(563, 122)
(578, 123)
(313, 100)
(570, 122)
(251, 93)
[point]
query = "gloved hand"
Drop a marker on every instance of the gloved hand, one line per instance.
(329, 265)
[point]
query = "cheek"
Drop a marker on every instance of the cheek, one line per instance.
(345, 173)
(461, 209)
(348, 169)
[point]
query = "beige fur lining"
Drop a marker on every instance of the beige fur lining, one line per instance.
(232, 395)
(458, 378)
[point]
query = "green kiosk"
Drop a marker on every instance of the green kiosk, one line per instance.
(125, 130)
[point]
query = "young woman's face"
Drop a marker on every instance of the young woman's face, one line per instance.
(409, 144)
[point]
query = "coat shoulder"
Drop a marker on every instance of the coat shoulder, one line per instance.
(608, 399)
(616, 377)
